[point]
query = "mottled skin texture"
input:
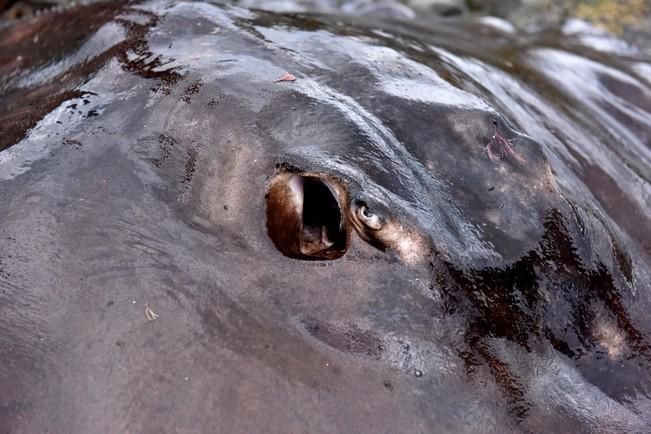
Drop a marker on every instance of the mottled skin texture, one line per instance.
(138, 146)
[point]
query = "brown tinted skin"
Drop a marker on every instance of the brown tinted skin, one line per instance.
(139, 144)
(283, 219)
(31, 44)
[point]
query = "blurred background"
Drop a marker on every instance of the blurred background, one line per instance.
(614, 16)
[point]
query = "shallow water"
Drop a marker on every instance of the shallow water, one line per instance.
(138, 146)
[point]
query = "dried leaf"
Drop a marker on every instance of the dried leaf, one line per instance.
(286, 77)
(150, 314)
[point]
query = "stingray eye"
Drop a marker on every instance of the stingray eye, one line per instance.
(370, 219)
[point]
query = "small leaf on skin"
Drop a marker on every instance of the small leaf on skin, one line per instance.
(286, 77)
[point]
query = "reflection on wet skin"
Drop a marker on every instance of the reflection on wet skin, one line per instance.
(551, 295)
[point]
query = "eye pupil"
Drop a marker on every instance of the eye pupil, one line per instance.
(366, 213)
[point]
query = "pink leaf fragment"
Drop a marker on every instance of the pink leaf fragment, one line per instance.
(286, 77)
(500, 148)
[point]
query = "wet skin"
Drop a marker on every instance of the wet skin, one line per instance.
(148, 156)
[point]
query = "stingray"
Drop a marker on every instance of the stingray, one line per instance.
(425, 229)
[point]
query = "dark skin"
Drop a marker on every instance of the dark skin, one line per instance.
(17, 9)
(143, 287)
